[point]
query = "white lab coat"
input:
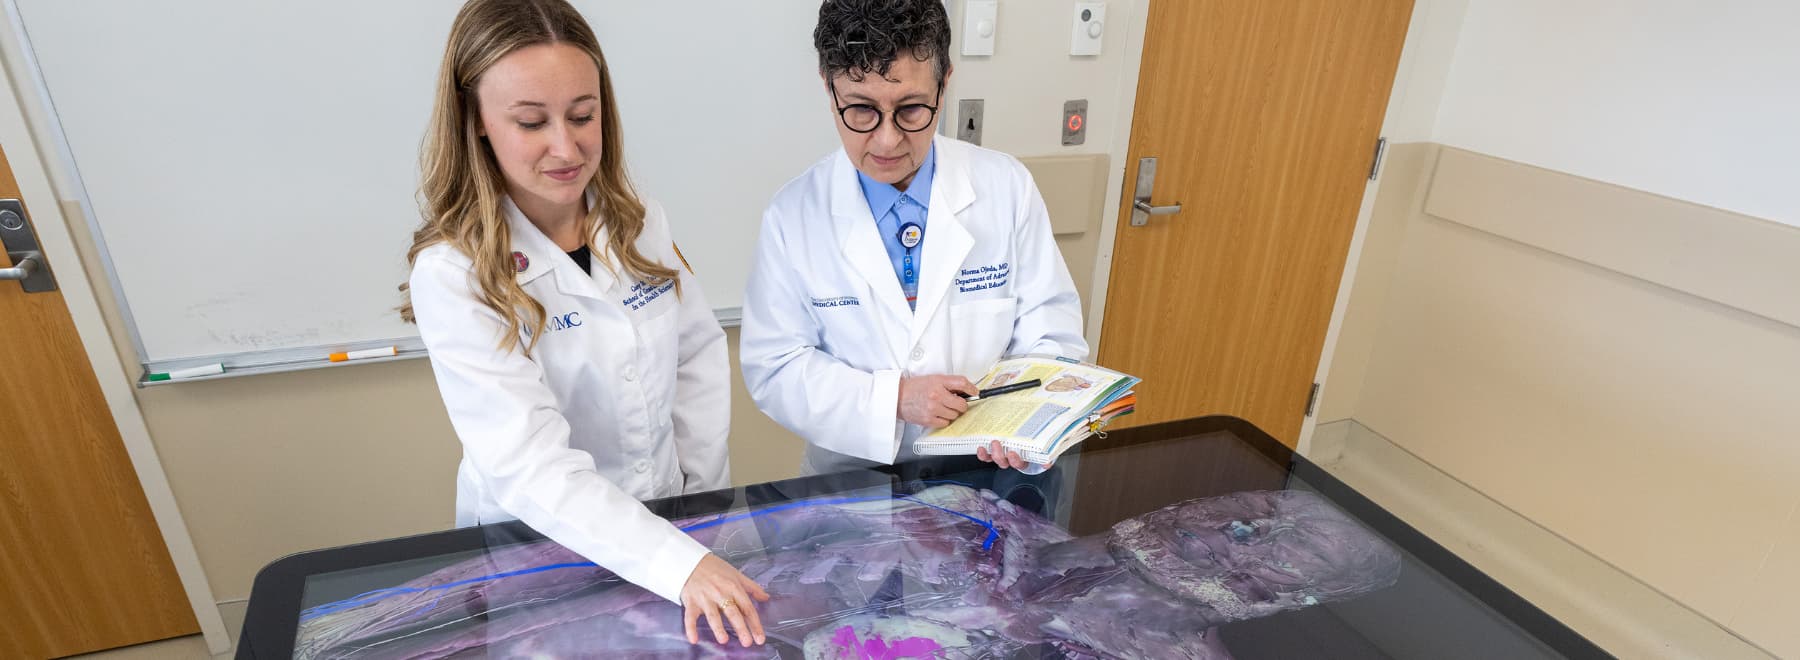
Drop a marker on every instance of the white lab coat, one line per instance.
(827, 334)
(624, 398)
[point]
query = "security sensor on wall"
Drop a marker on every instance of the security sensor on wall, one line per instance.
(1089, 26)
(980, 23)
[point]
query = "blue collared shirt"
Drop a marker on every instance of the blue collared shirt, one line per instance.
(893, 209)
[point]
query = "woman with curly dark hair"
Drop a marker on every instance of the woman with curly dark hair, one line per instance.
(900, 267)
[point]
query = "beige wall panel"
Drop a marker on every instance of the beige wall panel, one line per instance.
(1074, 189)
(1621, 414)
(1734, 259)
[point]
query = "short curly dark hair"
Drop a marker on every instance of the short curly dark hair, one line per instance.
(858, 37)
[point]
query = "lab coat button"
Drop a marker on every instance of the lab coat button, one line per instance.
(918, 353)
(630, 374)
(641, 467)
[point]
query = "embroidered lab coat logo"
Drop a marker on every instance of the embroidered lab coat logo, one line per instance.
(969, 280)
(565, 322)
(643, 293)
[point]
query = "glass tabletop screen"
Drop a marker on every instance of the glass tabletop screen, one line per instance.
(1195, 539)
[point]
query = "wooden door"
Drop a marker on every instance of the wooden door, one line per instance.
(82, 565)
(1263, 117)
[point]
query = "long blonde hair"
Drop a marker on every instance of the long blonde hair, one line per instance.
(461, 190)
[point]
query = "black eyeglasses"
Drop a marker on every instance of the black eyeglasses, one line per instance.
(865, 118)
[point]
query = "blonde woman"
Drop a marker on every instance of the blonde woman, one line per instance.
(581, 366)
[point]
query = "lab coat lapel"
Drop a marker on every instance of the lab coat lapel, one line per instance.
(861, 244)
(947, 241)
(546, 258)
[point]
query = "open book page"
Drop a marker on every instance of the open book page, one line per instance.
(1031, 420)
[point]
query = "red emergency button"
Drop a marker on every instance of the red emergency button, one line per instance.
(1074, 122)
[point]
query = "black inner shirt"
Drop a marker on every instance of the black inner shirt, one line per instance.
(583, 259)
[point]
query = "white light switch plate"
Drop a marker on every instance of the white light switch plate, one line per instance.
(1089, 25)
(980, 23)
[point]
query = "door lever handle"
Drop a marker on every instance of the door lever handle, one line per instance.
(1145, 206)
(22, 267)
(1141, 208)
(30, 269)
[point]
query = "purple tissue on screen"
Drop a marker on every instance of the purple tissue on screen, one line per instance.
(950, 572)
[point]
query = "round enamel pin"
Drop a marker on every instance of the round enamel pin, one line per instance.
(520, 262)
(910, 235)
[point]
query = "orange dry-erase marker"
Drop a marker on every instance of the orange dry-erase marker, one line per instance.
(385, 351)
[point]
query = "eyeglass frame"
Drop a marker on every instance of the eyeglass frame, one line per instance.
(881, 116)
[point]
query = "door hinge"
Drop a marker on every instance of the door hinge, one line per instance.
(1375, 163)
(1312, 400)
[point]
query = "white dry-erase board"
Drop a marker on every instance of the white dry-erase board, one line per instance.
(250, 168)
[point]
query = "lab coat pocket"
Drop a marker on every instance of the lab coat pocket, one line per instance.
(659, 336)
(980, 332)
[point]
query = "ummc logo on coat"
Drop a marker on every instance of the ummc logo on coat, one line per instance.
(558, 322)
(565, 322)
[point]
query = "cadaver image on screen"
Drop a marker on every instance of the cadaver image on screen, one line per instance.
(947, 572)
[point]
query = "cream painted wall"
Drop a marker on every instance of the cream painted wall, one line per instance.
(1695, 100)
(1625, 415)
(1431, 42)
(1366, 287)
(1031, 73)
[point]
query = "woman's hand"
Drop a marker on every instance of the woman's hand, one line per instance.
(720, 592)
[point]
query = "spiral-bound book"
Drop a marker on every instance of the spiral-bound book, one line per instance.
(1073, 401)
